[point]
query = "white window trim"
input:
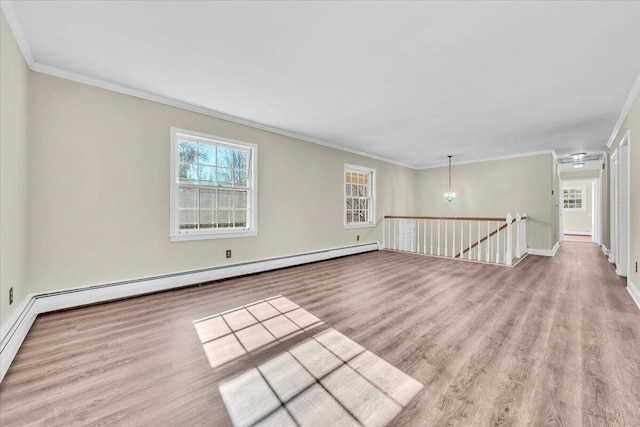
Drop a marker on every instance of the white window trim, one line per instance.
(583, 189)
(372, 223)
(175, 234)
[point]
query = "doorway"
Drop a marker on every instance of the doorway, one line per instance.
(620, 207)
(581, 210)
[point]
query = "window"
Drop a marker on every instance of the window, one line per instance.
(359, 196)
(574, 198)
(213, 187)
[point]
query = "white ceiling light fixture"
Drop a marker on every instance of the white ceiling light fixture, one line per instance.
(449, 196)
(578, 165)
(578, 156)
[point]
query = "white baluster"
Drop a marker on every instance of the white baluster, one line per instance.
(507, 256)
(417, 232)
(469, 257)
(453, 239)
(431, 237)
(518, 229)
(424, 240)
(396, 235)
(438, 237)
(497, 243)
(446, 237)
(461, 238)
(478, 249)
(488, 243)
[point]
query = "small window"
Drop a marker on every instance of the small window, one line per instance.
(359, 196)
(574, 198)
(213, 188)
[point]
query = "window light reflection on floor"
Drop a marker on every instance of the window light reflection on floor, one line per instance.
(229, 335)
(325, 380)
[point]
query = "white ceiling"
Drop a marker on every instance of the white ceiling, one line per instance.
(410, 82)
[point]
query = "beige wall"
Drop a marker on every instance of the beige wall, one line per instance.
(579, 220)
(494, 188)
(581, 174)
(13, 175)
(632, 123)
(99, 199)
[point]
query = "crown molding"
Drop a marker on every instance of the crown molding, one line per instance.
(16, 28)
(635, 89)
(10, 14)
(491, 159)
(8, 8)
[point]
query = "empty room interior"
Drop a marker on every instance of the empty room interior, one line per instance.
(319, 213)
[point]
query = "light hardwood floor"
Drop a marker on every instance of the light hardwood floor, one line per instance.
(552, 341)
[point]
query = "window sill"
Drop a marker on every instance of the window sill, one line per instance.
(216, 235)
(360, 225)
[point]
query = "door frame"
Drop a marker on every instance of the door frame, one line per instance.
(596, 210)
(622, 198)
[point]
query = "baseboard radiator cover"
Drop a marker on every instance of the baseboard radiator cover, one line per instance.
(16, 328)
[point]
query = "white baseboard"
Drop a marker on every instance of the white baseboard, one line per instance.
(605, 250)
(16, 328)
(634, 292)
(577, 232)
(544, 252)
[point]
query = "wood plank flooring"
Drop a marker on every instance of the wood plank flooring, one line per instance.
(552, 341)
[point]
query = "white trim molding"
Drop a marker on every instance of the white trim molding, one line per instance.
(605, 250)
(578, 232)
(17, 326)
(492, 159)
(635, 89)
(544, 252)
(634, 292)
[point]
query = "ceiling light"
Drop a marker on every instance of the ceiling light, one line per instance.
(449, 196)
(578, 165)
(578, 156)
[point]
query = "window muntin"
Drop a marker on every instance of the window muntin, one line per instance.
(574, 198)
(359, 196)
(213, 186)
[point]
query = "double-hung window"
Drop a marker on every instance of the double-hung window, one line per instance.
(359, 196)
(213, 187)
(573, 198)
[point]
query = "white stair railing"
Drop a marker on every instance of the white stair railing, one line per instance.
(488, 239)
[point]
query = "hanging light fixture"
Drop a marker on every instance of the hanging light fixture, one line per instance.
(449, 196)
(578, 165)
(578, 156)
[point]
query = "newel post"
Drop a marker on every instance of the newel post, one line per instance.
(384, 245)
(523, 240)
(508, 258)
(518, 230)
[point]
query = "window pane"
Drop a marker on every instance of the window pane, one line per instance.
(224, 157)
(225, 218)
(187, 151)
(240, 199)
(240, 218)
(207, 198)
(240, 177)
(349, 203)
(207, 175)
(188, 219)
(240, 159)
(225, 199)
(349, 216)
(188, 197)
(207, 218)
(207, 154)
(187, 173)
(224, 177)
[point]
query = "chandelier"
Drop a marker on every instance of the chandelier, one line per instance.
(449, 196)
